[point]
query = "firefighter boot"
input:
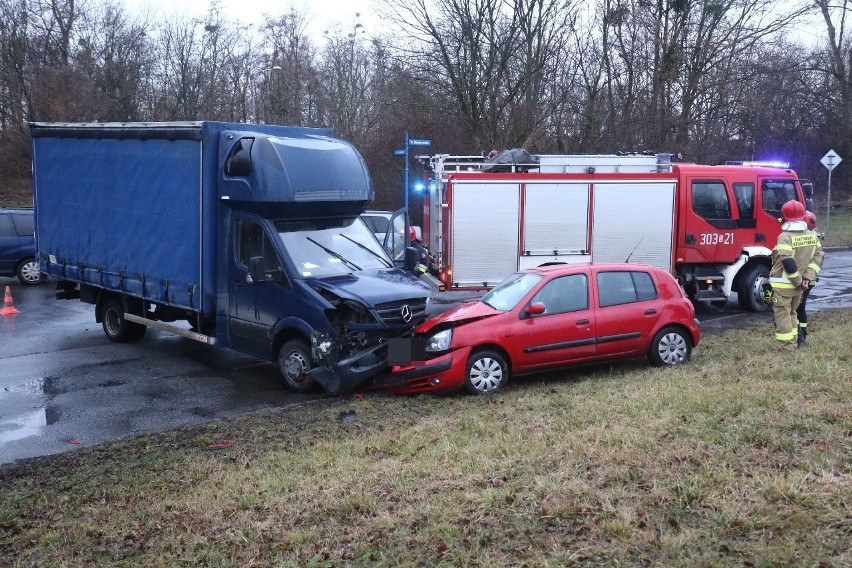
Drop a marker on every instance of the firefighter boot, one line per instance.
(802, 340)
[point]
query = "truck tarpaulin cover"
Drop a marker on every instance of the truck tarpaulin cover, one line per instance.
(514, 160)
(109, 223)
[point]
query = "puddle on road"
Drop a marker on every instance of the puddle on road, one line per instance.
(25, 409)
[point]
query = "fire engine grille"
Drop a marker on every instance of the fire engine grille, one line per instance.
(403, 311)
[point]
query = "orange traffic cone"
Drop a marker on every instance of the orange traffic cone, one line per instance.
(8, 307)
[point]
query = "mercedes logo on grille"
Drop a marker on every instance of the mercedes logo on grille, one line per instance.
(405, 312)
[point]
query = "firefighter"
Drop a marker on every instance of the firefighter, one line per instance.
(801, 311)
(796, 260)
(422, 253)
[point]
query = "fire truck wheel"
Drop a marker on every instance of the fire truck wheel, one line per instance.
(749, 291)
(294, 361)
(671, 346)
(487, 372)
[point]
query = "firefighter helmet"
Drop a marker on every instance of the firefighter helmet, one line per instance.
(793, 211)
(412, 234)
(810, 220)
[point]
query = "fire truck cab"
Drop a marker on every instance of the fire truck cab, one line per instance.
(713, 227)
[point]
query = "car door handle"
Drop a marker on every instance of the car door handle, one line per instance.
(583, 322)
(650, 312)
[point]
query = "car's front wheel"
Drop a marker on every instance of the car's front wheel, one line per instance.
(671, 346)
(28, 272)
(487, 372)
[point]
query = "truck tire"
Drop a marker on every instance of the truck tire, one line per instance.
(28, 272)
(671, 346)
(294, 362)
(487, 372)
(116, 328)
(748, 288)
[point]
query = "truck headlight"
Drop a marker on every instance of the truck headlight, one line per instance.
(439, 342)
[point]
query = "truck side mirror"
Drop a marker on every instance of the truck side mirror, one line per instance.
(411, 258)
(256, 272)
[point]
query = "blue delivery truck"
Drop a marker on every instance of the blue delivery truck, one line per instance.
(240, 236)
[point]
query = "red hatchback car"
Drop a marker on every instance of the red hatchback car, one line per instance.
(548, 317)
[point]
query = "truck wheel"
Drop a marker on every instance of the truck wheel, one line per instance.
(294, 361)
(28, 272)
(116, 328)
(487, 372)
(671, 346)
(748, 290)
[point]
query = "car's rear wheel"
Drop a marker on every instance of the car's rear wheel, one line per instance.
(28, 272)
(487, 372)
(117, 328)
(671, 346)
(294, 361)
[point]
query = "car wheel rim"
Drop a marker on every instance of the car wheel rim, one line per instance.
(30, 272)
(486, 374)
(673, 349)
(296, 367)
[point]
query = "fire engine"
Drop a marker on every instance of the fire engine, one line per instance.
(713, 227)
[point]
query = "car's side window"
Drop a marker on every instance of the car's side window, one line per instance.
(565, 294)
(624, 287)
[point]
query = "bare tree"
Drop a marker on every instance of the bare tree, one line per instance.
(487, 56)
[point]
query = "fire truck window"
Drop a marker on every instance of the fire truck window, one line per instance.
(775, 193)
(710, 200)
(744, 193)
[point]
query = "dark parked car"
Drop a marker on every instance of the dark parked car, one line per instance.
(549, 317)
(17, 246)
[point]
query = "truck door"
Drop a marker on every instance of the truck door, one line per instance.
(774, 192)
(396, 238)
(719, 219)
(254, 287)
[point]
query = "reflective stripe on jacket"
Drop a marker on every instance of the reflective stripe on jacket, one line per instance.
(802, 246)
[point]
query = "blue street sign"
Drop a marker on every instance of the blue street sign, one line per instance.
(399, 152)
(419, 141)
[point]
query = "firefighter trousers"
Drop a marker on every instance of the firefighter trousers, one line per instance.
(784, 311)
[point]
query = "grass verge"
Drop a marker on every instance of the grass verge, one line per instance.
(741, 457)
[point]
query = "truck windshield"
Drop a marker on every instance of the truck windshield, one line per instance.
(322, 248)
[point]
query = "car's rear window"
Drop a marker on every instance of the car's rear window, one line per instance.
(624, 287)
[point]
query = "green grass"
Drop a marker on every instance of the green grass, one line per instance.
(838, 228)
(742, 457)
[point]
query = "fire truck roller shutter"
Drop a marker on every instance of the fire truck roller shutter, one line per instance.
(556, 224)
(634, 220)
(485, 232)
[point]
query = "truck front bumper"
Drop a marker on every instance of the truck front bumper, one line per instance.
(352, 371)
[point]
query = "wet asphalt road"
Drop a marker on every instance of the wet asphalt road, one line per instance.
(63, 385)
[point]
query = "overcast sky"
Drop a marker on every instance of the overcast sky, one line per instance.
(322, 14)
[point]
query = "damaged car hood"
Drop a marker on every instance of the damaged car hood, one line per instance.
(465, 313)
(373, 286)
